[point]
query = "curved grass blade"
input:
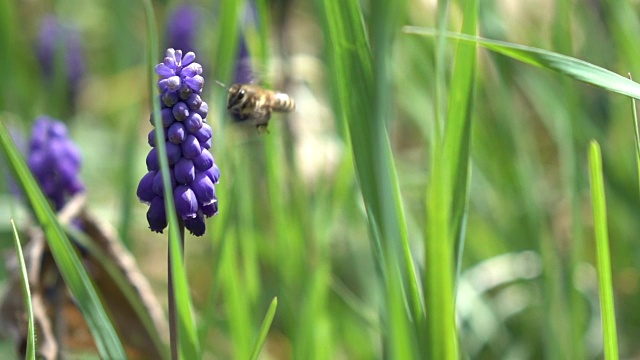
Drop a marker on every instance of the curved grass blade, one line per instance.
(31, 336)
(187, 337)
(567, 65)
(73, 273)
(264, 328)
(599, 207)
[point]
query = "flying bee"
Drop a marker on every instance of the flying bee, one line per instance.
(252, 102)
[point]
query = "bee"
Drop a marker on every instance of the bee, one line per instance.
(252, 102)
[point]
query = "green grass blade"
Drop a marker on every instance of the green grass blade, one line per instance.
(264, 328)
(438, 272)
(237, 306)
(637, 135)
(71, 269)
(599, 207)
(26, 292)
(357, 92)
(458, 132)
(187, 337)
(575, 68)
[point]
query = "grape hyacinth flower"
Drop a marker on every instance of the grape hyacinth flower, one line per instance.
(54, 35)
(182, 27)
(188, 140)
(243, 73)
(54, 160)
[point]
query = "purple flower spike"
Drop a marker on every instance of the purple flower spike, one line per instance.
(55, 161)
(182, 27)
(187, 138)
(243, 72)
(58, 39)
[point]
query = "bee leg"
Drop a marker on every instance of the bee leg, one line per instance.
(262, 120)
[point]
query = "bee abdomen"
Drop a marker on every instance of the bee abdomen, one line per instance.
(283, 103)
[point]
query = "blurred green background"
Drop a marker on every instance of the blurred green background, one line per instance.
(292, 222)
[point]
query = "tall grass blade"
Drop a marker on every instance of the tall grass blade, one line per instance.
(599, 207)
(264, 329)
(460, 111)
(26, 292)
(575, 68)
(187, 337)
(637, 135)
(71, 269)
(356, 89)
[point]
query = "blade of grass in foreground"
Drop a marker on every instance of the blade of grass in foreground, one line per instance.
(26, 292)
(264, 328)
(637, 133)
(458, 131)
(356, 93)
(575, 68)
(599, 207)
(71, 269)
(187, 337)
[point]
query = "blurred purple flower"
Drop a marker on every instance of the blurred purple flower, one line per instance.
(243, 73)
(182, 27)
(55, 36)
(54, 160)
(188, 140)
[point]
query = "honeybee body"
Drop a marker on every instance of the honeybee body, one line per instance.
(252, 102)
